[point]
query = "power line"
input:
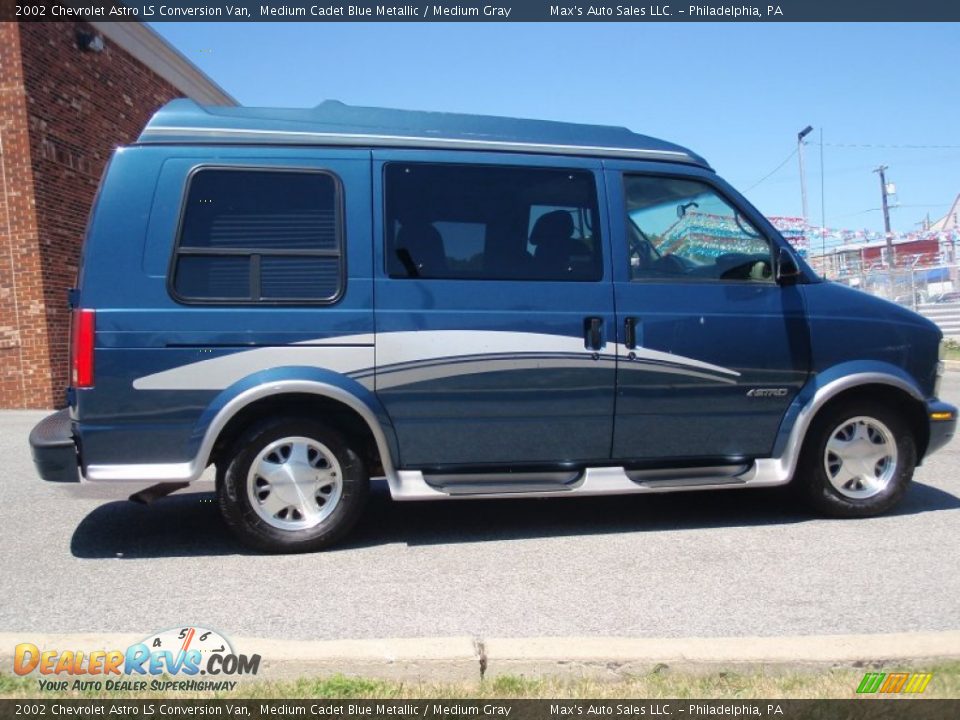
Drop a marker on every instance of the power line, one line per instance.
(861, 212)
(772, 172)
(894, 207)
(935, 205)
(893, 146)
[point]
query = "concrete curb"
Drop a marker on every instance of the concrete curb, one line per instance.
(442, 659)
(952, 365)
(630, 656)
(463, 659)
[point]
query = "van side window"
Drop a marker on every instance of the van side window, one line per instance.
(683, 229)
(478, 222)
(251, 236)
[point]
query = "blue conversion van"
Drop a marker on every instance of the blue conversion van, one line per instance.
(469, 307)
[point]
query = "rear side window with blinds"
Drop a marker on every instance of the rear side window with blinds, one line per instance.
(260, 236)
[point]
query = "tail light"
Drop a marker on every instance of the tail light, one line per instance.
(81, 350)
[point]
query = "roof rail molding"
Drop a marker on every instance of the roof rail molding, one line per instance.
(334, 123)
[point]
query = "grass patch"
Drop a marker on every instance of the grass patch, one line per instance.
(515, 686)
(662, 682)
(339, 687)
(14, 686)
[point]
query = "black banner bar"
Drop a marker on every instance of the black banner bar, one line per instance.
(858, 709)
(493, 11)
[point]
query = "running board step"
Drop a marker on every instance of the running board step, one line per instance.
(415, 485)
(691, 477)
(691, 482)
(503, 483)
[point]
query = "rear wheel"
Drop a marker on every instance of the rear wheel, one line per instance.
(858, 460)
(291, 485)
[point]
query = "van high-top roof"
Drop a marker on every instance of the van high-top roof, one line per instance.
(332, 123)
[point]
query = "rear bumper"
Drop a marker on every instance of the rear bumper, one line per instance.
(54, 450)
(943, 423)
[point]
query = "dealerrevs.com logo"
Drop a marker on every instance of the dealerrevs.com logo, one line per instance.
(179, 655)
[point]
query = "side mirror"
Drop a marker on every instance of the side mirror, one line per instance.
(787, 270)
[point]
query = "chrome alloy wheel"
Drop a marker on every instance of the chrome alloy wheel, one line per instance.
(294, 483)
(860, 457)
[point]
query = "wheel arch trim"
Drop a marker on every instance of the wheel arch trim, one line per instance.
(831, 385)
(209, 432)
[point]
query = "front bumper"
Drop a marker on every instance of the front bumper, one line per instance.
(54, 450)
(943, 422)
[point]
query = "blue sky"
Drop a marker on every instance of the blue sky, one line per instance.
(735, 93)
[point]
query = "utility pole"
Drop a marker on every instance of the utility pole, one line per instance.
(803, 178)
(891, 258)
(823, 212)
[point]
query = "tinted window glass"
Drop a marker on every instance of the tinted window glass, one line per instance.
(491, 223)
(309, 278)
(209, 276)
(255, 235)
(245, 209)
(463, 244)
(683, 229)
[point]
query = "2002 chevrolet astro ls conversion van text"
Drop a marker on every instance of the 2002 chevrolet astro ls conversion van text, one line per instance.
(471, 307)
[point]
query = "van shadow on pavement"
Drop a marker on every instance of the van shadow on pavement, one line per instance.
(189, 524)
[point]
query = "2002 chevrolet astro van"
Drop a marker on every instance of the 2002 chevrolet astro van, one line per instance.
(471, 307)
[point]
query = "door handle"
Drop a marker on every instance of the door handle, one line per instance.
(592, 335)
(630, 333)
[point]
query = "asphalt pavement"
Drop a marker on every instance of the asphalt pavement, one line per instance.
(732, 563)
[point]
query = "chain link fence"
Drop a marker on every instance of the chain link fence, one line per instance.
(924, 283)
(912, 280)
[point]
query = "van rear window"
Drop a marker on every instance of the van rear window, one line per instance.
(252, 236)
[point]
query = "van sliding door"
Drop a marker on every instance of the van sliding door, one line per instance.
(494, 310)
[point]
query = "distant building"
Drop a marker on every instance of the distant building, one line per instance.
(839, 253)
(69, 94)
(864, 257)
(950, 221)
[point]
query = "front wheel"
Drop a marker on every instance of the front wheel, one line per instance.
(291, 485)
(857, 461)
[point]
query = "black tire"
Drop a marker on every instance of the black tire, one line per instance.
(248, 524)
(812, 481)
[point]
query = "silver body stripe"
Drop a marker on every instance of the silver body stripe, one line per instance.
(639, 365)
(403, 358)
(388, 378)
(222, 372)
(365, 339)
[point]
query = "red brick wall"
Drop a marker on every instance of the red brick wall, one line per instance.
(79, 107)
(19, 269)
